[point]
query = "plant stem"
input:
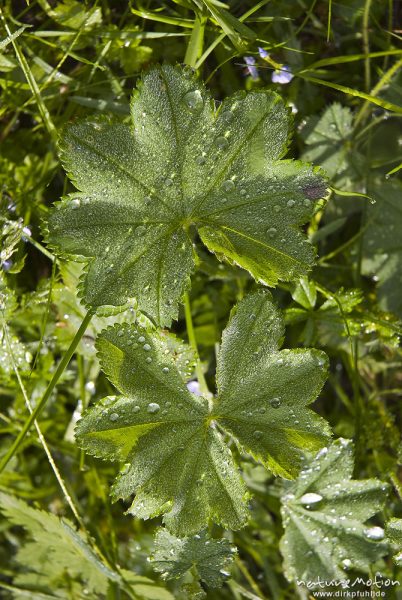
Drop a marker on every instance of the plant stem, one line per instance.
(193, 342)
(195, 45)
(41, 437)
(52, 384)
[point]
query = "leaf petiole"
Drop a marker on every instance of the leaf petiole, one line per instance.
(193, 342)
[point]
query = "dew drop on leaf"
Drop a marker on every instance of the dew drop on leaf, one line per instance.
(147, 347)
(193, 101)
(374, 533)
(275, 402)
(113, 416)
(310, 498)
(153, 407)
(222, 142)
(228, 185)
(227, 116)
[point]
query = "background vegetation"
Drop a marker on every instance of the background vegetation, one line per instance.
(64, 60)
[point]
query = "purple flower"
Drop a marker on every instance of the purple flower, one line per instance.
(6, 265)
(283, 75)
(263, 53)
(194, 387)
(252, 70)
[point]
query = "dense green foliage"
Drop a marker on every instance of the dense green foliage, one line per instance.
(162, 165)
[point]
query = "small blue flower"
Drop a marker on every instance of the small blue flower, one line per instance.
(263, 53)
(252, 70)
(194, 387)
(6, 265)
(283, 75)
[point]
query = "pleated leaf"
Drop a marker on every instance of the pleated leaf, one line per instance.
(324, 514)
(183, 164)
(174, 556)
(177, 461)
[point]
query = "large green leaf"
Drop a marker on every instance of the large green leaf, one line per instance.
(183, 164)
(174, 556)
(324, 513)
(177, 460)
(382, 250)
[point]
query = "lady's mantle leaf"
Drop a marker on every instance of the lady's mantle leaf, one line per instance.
(177, 460)
(183, 164)
(382, 244)
(394, 533)
(173, 557)
(324, 513)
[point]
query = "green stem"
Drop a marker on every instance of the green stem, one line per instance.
(366, 45)
(195, 45)
(52, 384)
(193, 342)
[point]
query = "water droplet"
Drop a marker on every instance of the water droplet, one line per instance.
(193, 100)
(200, 160)
(148, 359)
(168, 181)
(271, 231)
(258, 435)
(141, 339)
(75, 203)
(275, 402)
(310, 498)
(147, 347)
(346, 563)
(136, 409)
(165, 370)
(222, 142)
(228, 185)
(374, 533)
(290, 203)
(227, 116)
(113, 416)
(153, 407)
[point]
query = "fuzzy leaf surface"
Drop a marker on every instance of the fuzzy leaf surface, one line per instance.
(183, 164)
(324, 512)
(177, 460)
(173, 556)
(394, 533)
